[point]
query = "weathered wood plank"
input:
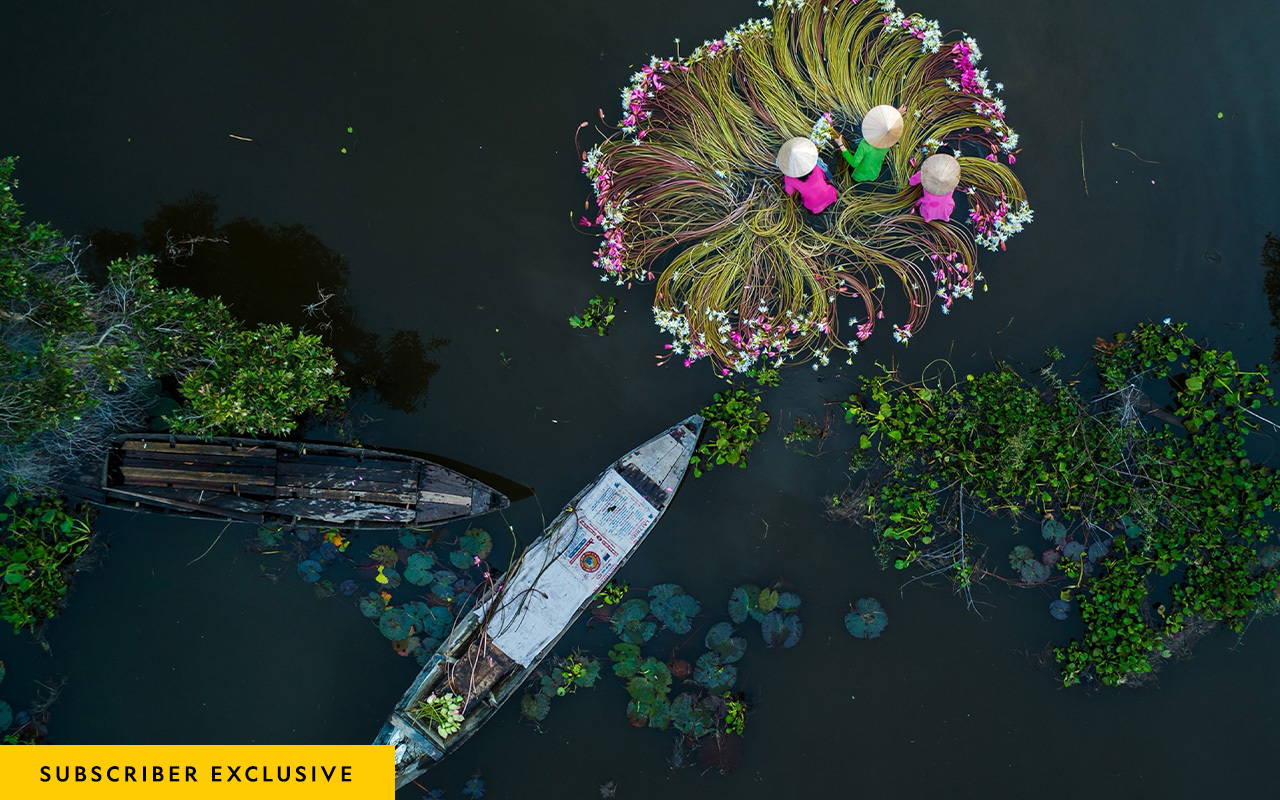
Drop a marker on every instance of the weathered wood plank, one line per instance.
(161, 460)
(205, 477)
(343, 482)
(179, 447)
(437, 512)
(169, 502)
(440, 479)
(206, 497)
(360, 472)
(394, 498)
(344, 459)
(339, 511)
(444, 499)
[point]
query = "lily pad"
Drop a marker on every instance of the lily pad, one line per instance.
(418, 569)
(779, 630)
(691, 717)
(395, 623)
(474, 788)
(1053, 530)
(433, 620)
(269, 537)
(741, 601)
(372, 605)
(788, 602)
(1058, 609)
(715, 675)
(310, 570)
(1072, 550)
(411, 540)
(392, 578)
(651, 682)
(1, 672)
(1034, 572)
(721, 641)
(767, 602)
(385, 555)
(6, 715)
(325, 552)
(1098, 551)
(665, 591)
(444, 591)
(348, 587)
(629, 624)
(535, 706)
(626, 659)
(476, 542)
(1020, 555)
(867, 619)
(676, 612)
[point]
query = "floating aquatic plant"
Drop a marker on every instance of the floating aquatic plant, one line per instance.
(418, 569)
(714, 674)
(867, 619)
(372, 605)
(673, 608)
(310, 570)
(721, 641)
(629, 623)
(1059, 609)
(780, 630)
(395, 624)
(1023, 561)
(474, 787)
(385, 555)
(1053, 530)
(749, 600)
(476, 543)
(687, 186)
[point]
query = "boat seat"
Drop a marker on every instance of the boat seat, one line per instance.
(477, 671)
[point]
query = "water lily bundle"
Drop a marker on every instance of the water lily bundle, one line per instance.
(689, 196)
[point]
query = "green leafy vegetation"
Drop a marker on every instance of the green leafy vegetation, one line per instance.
(79, 360)
(1131, 493)
(598, 314)
(734, 422)
(40, 540)
(443, 711)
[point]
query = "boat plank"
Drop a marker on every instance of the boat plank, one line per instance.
(360, 494)
(194, 448)
(154, 457)
(204, 477)
(339, 511)
(305, 467)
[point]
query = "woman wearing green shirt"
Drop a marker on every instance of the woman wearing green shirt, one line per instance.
(881, 129)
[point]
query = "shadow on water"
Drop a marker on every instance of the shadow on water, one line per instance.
(278, 273)
(1271, 285)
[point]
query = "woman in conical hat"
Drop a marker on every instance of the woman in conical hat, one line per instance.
(798, 159)
(881, 129)
(938, 177)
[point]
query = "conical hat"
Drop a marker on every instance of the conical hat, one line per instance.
(882, 126)
(797, 157)
(940, 174)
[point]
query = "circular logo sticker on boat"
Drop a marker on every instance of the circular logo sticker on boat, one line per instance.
(590, 562)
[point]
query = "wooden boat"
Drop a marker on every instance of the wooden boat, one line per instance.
(281, 482)
(493, 648)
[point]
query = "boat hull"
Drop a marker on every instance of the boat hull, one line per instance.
(284, 483)
(495, 647)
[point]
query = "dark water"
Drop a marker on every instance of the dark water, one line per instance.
(452, 209)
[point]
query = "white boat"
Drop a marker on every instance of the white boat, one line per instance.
(492, 649)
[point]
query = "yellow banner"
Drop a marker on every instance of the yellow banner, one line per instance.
(229, 772)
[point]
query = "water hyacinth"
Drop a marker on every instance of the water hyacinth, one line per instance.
(688, 183)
